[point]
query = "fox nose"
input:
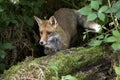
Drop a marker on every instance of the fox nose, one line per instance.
(42, 42)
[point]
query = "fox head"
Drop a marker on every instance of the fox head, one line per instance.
(47, 28)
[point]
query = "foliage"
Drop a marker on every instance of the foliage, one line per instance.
(117, 70)
(3, 47)
(94, 10)
(114, 39)
(55, 68)
(13, 11)
(115, 9)
(2, 66)
(68, 77)
(16, 19)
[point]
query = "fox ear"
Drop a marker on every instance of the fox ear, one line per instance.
(39, 21)
(52, 20)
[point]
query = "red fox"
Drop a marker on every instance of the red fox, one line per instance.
(58, 31)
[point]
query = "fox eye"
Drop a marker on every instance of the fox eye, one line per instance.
(49, 33)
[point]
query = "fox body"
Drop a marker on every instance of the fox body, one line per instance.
(58, 31)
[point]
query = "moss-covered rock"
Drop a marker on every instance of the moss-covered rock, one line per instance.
(79, 62)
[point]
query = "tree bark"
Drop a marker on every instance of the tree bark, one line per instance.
(84, 64)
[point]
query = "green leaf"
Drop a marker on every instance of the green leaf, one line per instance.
(1, 9)
(115, 7)
(116, 46)
(101, 16)
(116, 33)
(91, 17)
(85, 10)
(100, 36)
(118, 14)
(53, 66)
(2, 67)
(84, 37)
(106, 36)
(68, 77)
(28, 20)
(7, 46)
(103, 9)
(14, 21)
(117, 70)
(95, 4)
(108, 11)
(118, 3)
(1, 1)
(95, 42)
(2, 54)
(110, 39)
(100, 1)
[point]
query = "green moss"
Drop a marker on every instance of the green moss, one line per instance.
(80, 57)
(81, 76)
(16, 68)
(67, 62)
(12, 71)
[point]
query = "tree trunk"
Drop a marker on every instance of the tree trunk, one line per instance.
(84, 64)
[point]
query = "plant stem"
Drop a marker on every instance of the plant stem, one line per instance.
(111, 14)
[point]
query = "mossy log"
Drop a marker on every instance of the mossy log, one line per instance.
(84, 64)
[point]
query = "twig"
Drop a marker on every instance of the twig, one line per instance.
(111, 14)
